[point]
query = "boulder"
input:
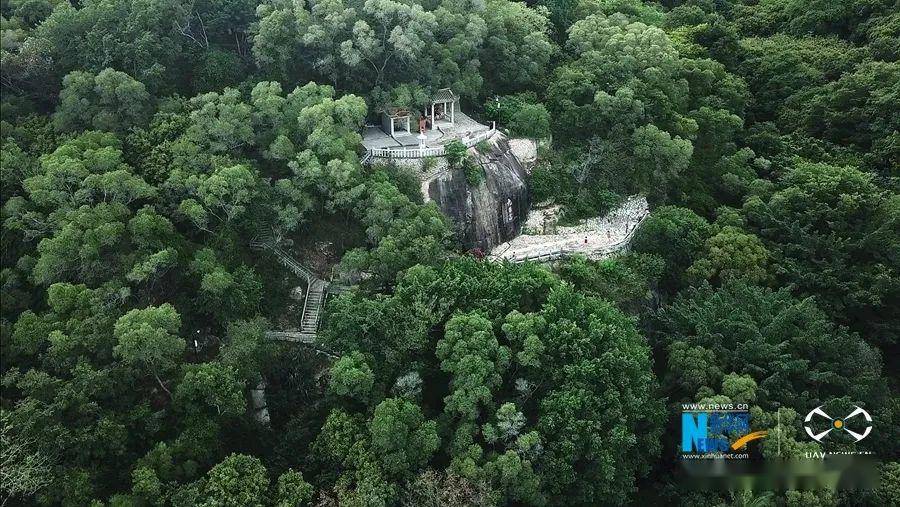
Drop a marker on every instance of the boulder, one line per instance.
(491, 212)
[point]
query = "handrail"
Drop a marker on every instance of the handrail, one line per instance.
(436, 151)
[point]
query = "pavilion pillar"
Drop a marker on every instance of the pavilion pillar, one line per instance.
(452, 112)
(432, 115)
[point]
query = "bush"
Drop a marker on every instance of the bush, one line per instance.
(429, 163)
(456, 152)
(543, 183)
(474, 173)
(530, 120)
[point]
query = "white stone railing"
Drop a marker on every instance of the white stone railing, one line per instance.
(437, 151)
(407, 152)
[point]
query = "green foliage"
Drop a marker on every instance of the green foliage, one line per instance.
(830, 111)
(648, 160)
(292, 491)
(148, 338)
(832, 229)
(211, 388)
(459, 158)
(782, 343)
(145, 145)
(111, 101)
(474, 173)
(403, 234)
(732, 254)
(676, 235)
(548, 341)
(456, 153)
(521, 114)
(401, 438)
(626, 280)
(778, 67)
(352, 377)
(238, 480)
(530, 120)
(379, 45)
(473, 357)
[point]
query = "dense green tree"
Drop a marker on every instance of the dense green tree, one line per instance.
(147, 145)
(211, 388)
(795, 354)
(517, 47)
(648, 159)
(148, 339)
(292, 490)
(833, 232)
(800, 18)
(549, 357)
(833, 112)
(111, 101)
(678, 236)
(352, 377)
(732, 254)
(627, 280)
(238, 480)
(403, 234)
(778, 67)
(530, 120)
(475, 360)
(140, 39)
(401, 438)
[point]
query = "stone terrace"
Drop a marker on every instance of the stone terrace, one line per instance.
(375, 138)
(594, 238)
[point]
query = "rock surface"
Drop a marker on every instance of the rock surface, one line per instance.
(526, 151)
(491, 212)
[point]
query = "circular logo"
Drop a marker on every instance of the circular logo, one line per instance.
(839, 424)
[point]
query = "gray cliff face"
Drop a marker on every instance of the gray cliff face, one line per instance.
(492, 212)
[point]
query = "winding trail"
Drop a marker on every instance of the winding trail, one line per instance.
(594, 238)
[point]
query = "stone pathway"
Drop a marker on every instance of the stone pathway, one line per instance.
(594, 238)
(312, 304)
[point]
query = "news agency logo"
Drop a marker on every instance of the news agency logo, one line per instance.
(716, 431)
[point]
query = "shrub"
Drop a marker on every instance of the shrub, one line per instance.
(456, 152)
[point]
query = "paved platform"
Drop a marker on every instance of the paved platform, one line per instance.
(444, 132)
(594, 238)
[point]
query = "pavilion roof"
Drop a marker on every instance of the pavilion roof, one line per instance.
(444, 95)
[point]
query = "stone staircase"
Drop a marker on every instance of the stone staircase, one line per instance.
(312, 304)
(312, 307)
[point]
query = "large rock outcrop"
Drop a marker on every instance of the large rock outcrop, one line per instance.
(491, 212)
